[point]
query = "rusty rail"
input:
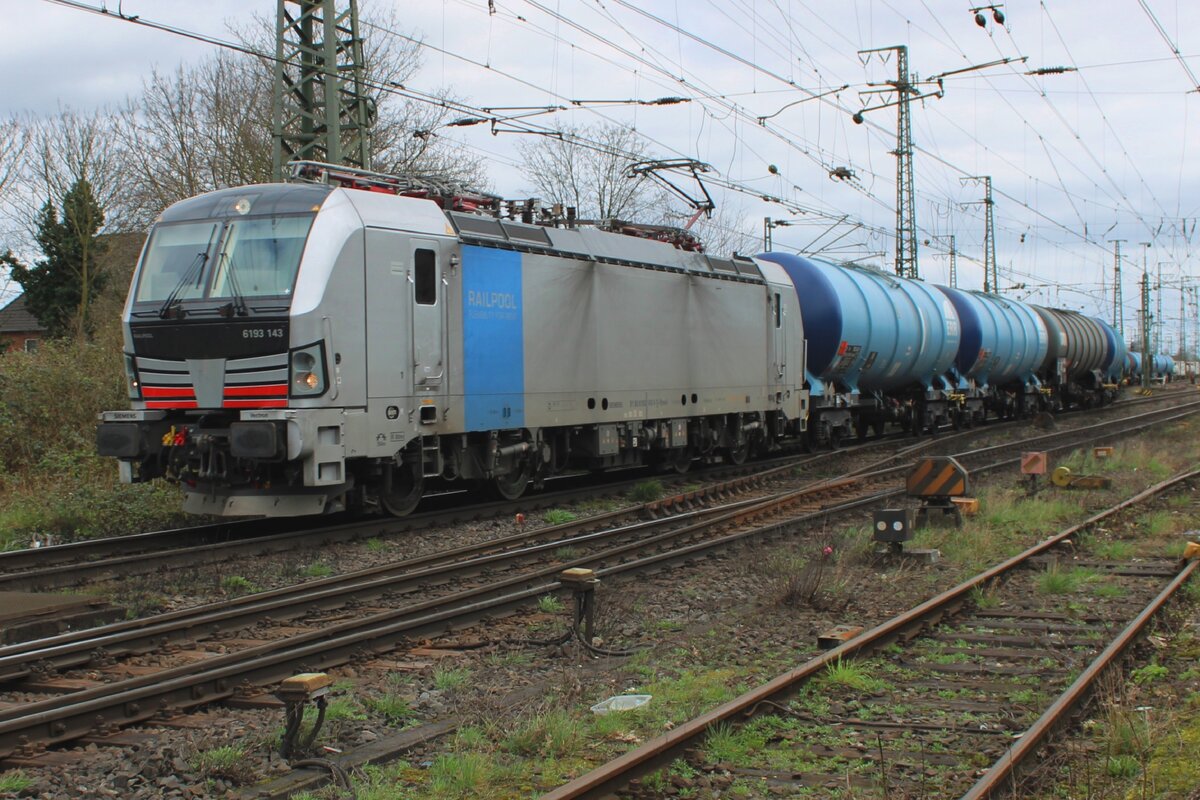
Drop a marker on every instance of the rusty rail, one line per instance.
(661, 751)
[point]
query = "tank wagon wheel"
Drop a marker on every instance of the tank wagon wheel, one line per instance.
(402, 489)
(512, 485)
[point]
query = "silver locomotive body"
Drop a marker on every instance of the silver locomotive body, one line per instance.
(292, 348)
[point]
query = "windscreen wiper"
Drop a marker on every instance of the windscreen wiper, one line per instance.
(236, 306)
(194, 270)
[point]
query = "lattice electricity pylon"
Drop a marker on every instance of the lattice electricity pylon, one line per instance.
(991, 276)
(320, 109)
(905, 87)
(1147, 352)
(906, 206)
(1118, 293)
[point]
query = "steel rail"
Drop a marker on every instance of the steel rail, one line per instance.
(658, 752)
(78, 647)
(139, 698)
(52, 566)
(1003, 772)
(77, 562)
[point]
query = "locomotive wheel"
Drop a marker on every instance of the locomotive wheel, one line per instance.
(512, 485)
(737, 455)
(682, 462)
(402, 489)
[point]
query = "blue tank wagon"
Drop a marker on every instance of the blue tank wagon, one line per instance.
(879, 348)
(1004, 343)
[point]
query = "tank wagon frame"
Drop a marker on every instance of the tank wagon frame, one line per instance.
(422, 344)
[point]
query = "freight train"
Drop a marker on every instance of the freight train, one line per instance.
(883, 349)
(352, 340)
(1162, 367)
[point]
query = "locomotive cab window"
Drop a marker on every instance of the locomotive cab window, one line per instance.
(778, 311)
(425, 277)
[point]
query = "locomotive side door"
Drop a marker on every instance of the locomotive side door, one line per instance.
(779, 340)
(428, 318)
(389, 297)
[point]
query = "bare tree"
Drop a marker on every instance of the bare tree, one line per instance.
(208, 126)
(201, 128)
(62, 150)
(588, 169)
(13, 139)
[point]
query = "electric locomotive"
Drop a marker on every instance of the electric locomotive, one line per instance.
(352, 339)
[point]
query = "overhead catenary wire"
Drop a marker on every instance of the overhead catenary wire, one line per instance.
(818, 154)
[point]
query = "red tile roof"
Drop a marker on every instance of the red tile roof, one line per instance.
(15, 317)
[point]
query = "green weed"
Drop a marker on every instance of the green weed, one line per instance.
(227, 762)
(15, 780)
(1113, 550)
(851, 674)
(559, 516)
(447, 679)
(1122, 767)
(1150, 673)
(554, 734)
(646, 491)
(237, 585)
(317, 569)
(460, 774)
(550, 604)
(1059, 581)
(393, 707)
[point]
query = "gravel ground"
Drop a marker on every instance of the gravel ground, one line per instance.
(748, 611)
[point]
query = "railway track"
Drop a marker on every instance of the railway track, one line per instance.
(209, 654)
(951, 698)
(73, 564)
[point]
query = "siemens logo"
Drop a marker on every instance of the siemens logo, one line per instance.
(496, 300)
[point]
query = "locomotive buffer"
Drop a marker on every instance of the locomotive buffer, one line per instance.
(936, 482)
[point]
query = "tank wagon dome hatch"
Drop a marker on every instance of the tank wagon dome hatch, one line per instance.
(871, 331)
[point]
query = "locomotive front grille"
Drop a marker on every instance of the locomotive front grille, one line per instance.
(254, 382)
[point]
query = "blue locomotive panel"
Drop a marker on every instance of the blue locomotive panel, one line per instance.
(493, 339)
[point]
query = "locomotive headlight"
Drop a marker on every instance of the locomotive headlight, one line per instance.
(131, 379)
(308, 371)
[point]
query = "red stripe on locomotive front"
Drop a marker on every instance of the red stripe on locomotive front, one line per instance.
(168, 391)
(172, 404)
(257, 391)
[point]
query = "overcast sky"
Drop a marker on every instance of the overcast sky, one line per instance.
(1077, 159)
